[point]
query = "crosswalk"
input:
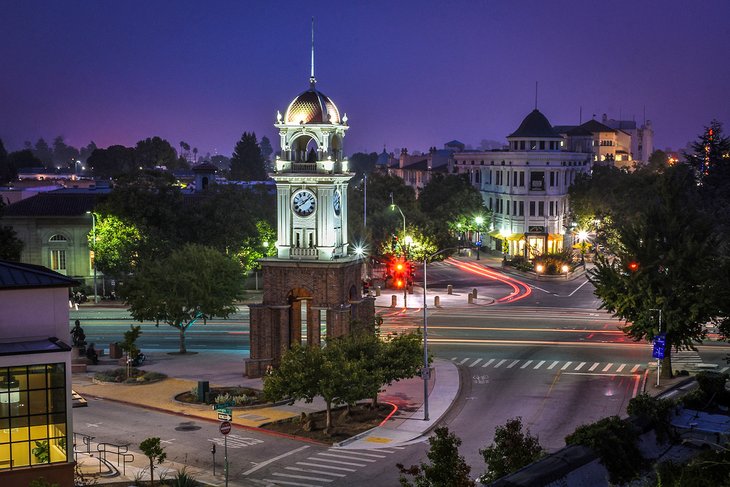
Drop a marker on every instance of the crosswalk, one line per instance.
(683, 360)
(328, 467)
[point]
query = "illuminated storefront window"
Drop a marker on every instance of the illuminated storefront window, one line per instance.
(32, 415)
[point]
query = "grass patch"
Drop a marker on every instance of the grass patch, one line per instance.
(136, 376)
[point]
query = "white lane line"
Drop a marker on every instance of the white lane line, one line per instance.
(356, 452)
(567, 364)
(380, 450)
(369, 460)
(526, 364)
(539, 365)
(607, 367)
(337, 461)
(512, 364)
(453, 359)
(331, 474)
(636, 367)
(486, 364)
(307, 464)
(722, 370)
(500, 363)
(272, 460)
(576, 289)
(462, 362)
(620, 367)
(580, 366)
(553, 364)
(284, 482)
(593, 367)
(475, 362)
(301, 477)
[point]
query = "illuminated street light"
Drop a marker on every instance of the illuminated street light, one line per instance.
(479, 220)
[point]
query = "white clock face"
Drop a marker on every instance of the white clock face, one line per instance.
(337, 202)
(304, 202)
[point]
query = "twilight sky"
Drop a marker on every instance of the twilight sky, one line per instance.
(407, 73)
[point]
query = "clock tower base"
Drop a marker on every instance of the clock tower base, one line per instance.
(307, 302)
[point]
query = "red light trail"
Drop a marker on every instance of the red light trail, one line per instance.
(520, 290)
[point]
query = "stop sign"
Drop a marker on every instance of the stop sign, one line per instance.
(225, 427)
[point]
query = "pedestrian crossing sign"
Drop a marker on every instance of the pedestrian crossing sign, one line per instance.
(659, 342)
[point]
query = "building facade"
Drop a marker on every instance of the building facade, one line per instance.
(526, 187)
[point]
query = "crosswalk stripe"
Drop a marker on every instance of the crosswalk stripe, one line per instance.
(369, 460)
(284, 482)
(722, 370)
(500, 363)
(344, 469)
(331, 474)
(356, 452)
(475, 362)
(526, 364)
(620, 367)
(486, 364)
(636, 367)
(301, 477)
(462, 362)
(453, 359)
(593, 367)
(539, 364)
(567, 364)
(580, 366)
(512, 364)
(607, 367)
(340, 462)
(553, 364)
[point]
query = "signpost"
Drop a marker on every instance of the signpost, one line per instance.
(225, 428)
(660, 342)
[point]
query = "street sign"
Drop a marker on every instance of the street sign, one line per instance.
(659, 343)
(223, 410)
(225, 428)
(224, 417)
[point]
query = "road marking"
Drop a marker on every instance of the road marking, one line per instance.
(336, 461)
(500, 363)
(272, 460)
(370, 460)
(580, 366)
(512, 364)
(607, 367)
(475, 362)
(453, 359)
(356, 452)
(486, 364)
(331, 474)
(526, 364)
(344, 469)
(169, 442)
(567, 364)
(554, 364)
(724, 369)
(284, 482)
(576, 289)
(593, 367)
(462, 362)
(302, 477)
(636, 367)
(539, 365)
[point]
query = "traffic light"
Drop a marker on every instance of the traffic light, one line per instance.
(633, 266)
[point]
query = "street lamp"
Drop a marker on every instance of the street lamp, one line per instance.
(583, 240)
(425, 372)
(93, 233)
(479, 220)
(539, 268)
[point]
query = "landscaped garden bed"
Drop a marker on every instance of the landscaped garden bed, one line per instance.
(131, 376)
(237, 396)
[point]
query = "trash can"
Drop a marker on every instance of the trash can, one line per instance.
(203, 390)
(115, 351)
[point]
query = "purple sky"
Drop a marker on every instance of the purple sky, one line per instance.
(407, 73)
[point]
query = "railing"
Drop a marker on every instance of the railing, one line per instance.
(121, 451)
(303, 252)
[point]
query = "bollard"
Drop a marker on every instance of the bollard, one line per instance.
(377, 290)
(393, 301)
(474, 292)
(449, 289)
(436, 302)
(470, 298)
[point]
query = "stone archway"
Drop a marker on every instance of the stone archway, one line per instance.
(301, 318)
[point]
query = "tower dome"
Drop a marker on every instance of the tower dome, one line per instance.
(312, 107)
(535, 124)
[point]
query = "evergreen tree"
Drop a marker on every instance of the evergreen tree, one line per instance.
(5, 171)
(710, 152)
(43, 152)
(447, 467)
(10, 244)
(247, 163)
(512, 449)
(266, 151)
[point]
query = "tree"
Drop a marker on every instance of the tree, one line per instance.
(43, 152)
(658, 159)
(247, 163)
(10, 245)
(152, 449)
(155, 152)
(6, 174)
(64, 155)
(112, 162)
(222, 162)
(192, 283)
(512, 449)
(21, 159)
(266, 151)
(662, 259)
(362, 163)
(117, 246)
(447, 467)
(85, 152)
(710, 153)
(261, 244)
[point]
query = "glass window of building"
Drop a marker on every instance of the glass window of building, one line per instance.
(522, 208)
(532, 208)
(522, 179)
(541, 208)
(58, 260)
(537, 180)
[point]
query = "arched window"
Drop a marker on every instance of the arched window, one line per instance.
(58, 238)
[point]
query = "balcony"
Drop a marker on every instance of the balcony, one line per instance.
(303, 253)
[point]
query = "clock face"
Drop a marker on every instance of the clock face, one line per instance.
(304, 203)
(337, 202)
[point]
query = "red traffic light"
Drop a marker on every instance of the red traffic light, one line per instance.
(633, 266)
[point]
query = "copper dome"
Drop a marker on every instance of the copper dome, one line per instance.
(311, 107)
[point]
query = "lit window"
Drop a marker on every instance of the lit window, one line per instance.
(58, 260)
(58, 238)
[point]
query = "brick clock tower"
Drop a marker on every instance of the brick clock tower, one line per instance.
(313, 287)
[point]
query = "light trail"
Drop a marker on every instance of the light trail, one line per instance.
(492, 328)
(520, 290)
(486, 341)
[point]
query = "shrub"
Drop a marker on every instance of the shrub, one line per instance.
(512, 449)
(656, 411)
(711, 389)
(183, 479)
(136, 376)
(615, 443)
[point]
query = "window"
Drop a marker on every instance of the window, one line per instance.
(533, 145)
(514, 208)
(58, 238)
(537, 180)
(532, 208)
(552, 178)
(58, 260)
(552, 208)
(522, 208)
(490, 202)
(522, 179)
(507, 207)
(541, 208)
(522, 145)
(542, 145)
(32, 415)
(514, 178)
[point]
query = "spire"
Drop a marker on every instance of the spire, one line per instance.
(535, 95)
(312, 79)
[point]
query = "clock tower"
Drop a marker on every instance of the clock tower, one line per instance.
(312, 289)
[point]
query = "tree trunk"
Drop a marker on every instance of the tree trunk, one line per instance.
(182, 339)
(666, 372)
(152, 473)
(328, 423)
(374, 403)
